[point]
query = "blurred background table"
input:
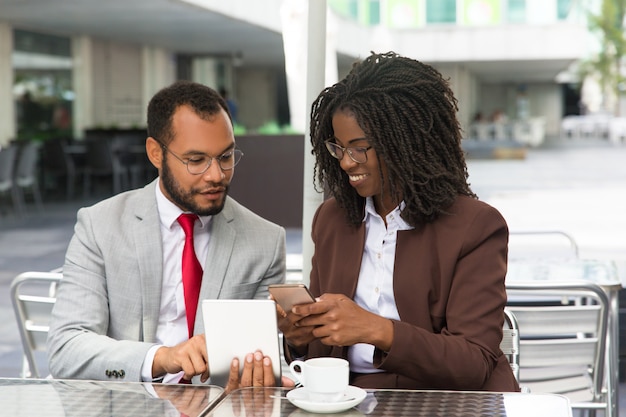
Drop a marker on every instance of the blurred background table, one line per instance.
(79, 398)
(267, 402)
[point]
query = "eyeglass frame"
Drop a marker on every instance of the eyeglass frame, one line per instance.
(211, 158)
(347, 150)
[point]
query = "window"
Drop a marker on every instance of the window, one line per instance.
(563, 9)
(440, 11)
(42, 88)
(374, 12)
(516, 11)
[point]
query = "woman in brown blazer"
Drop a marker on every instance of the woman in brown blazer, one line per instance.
(409, 265)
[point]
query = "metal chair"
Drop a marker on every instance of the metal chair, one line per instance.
(510, 344)
(33, 295)
(59, 163)
(7, 183)
(26, 174)
(102, 160)
(563, 345)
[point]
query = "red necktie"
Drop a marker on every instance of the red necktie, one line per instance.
(192, 271)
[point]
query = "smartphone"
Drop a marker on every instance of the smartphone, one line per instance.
(289, 295)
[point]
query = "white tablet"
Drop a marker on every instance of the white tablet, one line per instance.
(234, 328)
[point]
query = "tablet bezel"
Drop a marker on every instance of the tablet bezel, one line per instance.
(234, 328)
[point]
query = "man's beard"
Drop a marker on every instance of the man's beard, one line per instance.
(184, 199)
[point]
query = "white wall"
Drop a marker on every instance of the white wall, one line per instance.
(546, 101)
(117, 84)
(256, 96)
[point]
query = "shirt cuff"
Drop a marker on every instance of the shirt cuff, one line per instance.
(146, 367)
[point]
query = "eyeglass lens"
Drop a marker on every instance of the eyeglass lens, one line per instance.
(226, 161)
(357, 154)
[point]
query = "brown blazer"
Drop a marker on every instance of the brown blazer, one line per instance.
(449, 291)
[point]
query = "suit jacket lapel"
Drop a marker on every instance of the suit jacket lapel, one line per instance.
(148, 241)
(221, 246)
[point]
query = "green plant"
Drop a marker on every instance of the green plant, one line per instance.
(608, 24)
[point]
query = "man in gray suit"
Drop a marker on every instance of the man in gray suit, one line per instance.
(120, 310)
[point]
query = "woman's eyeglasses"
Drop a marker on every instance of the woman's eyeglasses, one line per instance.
(357, 153)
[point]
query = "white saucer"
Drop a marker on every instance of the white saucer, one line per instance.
(300, 398)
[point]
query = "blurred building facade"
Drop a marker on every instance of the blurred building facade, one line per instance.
(96, 64)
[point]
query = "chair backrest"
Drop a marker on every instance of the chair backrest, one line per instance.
(33, 296)
(55, 158)
(563, 345)
(510, 344)
(543, 244)
(99, 156)
(26, 168)
(7, 162)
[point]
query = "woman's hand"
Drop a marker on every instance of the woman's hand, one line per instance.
(338, 321)
(296, 334)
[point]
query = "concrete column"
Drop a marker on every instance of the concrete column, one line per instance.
(82, 80)
(316, 73)
(7, 106)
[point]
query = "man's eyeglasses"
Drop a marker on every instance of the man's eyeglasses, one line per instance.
(357, 153)
(199, 164)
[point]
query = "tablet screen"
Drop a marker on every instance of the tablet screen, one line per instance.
(234, 328)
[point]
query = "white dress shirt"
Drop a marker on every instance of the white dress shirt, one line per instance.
(374, 291)
(172, 327)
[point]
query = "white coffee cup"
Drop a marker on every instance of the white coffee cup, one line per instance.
(325, 379)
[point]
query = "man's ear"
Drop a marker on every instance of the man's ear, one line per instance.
(154, 152)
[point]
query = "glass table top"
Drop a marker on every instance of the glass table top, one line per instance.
(76, 398)
(399, 403)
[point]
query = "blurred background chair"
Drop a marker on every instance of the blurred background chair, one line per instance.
(8, 190)
(102, 160)
(58, 164)
(26, 177)
(33, 295)
(130, 150)
(563, 345)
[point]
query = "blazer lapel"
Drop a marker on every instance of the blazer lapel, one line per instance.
(215, 265)
(147, 235)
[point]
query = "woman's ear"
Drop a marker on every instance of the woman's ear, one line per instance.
(154, 152)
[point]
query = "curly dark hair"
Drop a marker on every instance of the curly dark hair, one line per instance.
(408, 113)
(204, 101)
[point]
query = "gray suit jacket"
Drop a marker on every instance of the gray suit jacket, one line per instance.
(105, 317)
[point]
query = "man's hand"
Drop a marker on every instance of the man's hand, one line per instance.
(189, 356)
(257, 372)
